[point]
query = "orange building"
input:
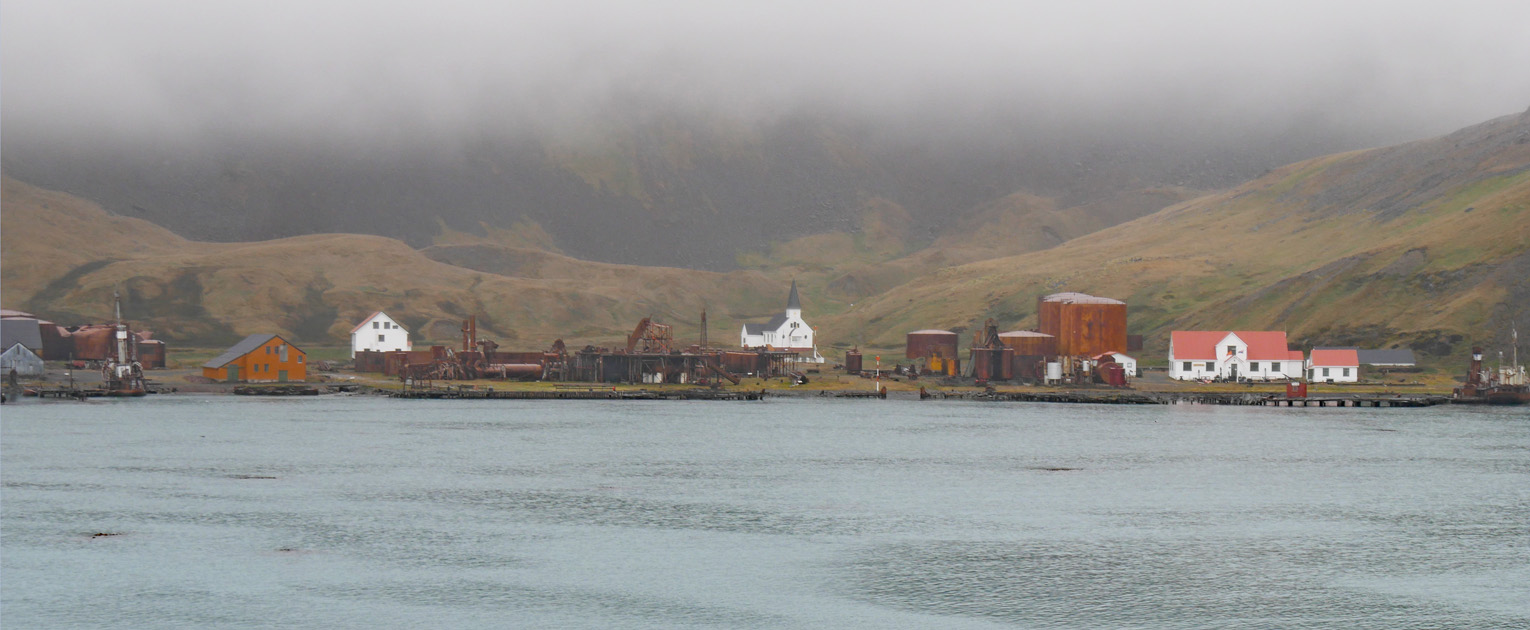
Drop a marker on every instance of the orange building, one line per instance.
(258, 358)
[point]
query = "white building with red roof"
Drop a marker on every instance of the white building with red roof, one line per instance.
(379, 333)
(1256, 355)
(1334, 365)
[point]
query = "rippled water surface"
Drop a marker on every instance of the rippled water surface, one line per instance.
(354, 512)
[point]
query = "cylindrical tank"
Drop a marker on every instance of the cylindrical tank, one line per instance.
(1054, 372)
(151, 353)
(982, 364)
(853, 362)
(1029, 367)
(1029, 342)
(923, 344)
(1084, 325)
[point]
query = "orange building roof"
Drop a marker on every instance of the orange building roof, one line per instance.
(1201, 345)
(1335, 357)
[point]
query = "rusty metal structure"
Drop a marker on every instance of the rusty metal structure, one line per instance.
(650, 338)
(991, 359)
(1084, 325)
(937, 348)
(853, 362)
(1029, 343)
(648, 357)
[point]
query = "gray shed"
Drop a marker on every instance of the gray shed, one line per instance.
(26, 362)
(23, 330)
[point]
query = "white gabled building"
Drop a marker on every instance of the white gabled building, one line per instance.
(1230, 355)
(379, 333)
(786, 331)
(1334, 365)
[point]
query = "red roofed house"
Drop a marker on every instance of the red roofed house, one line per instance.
(1231, 355)
(379, 333)
(1334, 365)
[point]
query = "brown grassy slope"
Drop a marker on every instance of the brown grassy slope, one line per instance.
(64, 256)
(1424, 245)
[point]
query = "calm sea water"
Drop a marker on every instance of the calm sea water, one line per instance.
(352, 512)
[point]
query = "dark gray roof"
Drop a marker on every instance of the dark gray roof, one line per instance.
(239, 349)
(1387, 357)
(771, 326)
(22, 330)
(792, 301)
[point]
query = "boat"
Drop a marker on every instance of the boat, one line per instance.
(1506, 385)
(122, 374)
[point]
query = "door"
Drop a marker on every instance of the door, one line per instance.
(281, 376)
(233, 374)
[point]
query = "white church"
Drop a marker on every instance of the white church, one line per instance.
(786, 331)
(379, 333)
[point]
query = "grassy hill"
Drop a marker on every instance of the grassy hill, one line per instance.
(1424, 245)
(64, 256)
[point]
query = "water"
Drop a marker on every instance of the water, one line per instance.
(351, 512)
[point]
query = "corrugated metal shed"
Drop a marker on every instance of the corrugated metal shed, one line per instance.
(1388, 358)
(22, 330)
(23, 360)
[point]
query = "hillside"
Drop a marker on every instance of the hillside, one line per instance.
(64, 256)
(1423, 245)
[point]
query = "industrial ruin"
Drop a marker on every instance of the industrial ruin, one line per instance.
(651, 355)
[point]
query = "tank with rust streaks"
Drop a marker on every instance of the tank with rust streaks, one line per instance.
(1029, 342)
(151, 354)
(923, 344)
(853, 361)
(1084, 325)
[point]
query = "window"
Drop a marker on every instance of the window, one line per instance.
(1346, 371)
(1211, 366)
(382, 338)
(1187, 366)
(300, 358)
(1232, 350)
(1253, 367)
(376, 325)
(1325, 372)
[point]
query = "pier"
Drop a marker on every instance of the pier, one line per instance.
(1201, 398)
(456, 393)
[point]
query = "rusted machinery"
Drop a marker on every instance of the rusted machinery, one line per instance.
(650, 338)
(937, 348)
(992, 360)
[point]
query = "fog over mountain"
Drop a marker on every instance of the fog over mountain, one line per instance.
(677, 132)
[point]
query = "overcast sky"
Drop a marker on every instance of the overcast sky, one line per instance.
(355, 67)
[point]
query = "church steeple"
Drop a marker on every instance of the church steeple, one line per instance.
(793, 303)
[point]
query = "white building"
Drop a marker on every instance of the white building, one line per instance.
(1230, 355)
(786, 331)
(1127, 363)
(1334, 365)
(379, 333)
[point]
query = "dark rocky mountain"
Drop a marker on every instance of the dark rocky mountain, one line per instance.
(643, 186)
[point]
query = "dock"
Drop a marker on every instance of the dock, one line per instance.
(1202, 398)
(456, 393)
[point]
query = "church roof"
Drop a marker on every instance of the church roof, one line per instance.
(792, 301)
(771, 326)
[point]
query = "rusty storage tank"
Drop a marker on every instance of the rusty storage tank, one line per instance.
(56, 342)
(151, 353)
(1084, 325)
(1029, 367)
(1029, 342)
(993, 364)
(93, 343)
(853, 362)
(923, 344)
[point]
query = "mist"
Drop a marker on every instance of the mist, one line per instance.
(999, 94)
